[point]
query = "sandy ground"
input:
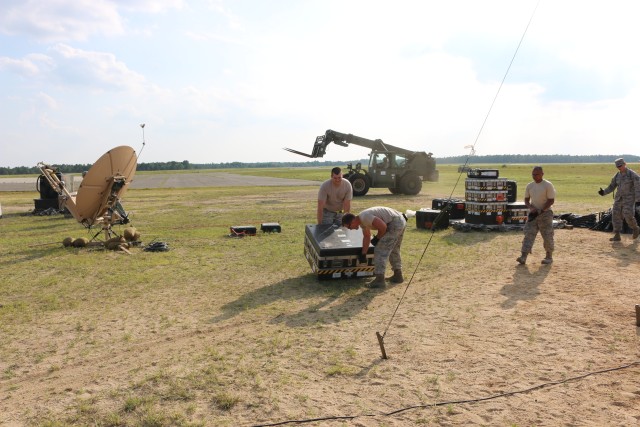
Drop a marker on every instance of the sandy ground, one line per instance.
(487, 343)
(512, 346)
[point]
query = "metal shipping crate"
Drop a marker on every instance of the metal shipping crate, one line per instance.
(516, 213)
(455, 207)
(485, 196)
(483, 173)
(332, 252)
(487, 213)
(497, 184)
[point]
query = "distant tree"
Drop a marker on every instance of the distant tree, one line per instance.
(503, 159)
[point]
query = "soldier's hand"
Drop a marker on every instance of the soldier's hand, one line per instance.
(375, 240)
(362, 258)
(601, 191)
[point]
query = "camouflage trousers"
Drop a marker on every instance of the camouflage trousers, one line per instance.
(623, 209)
(388, 248)
(329, 217)
(544, 224)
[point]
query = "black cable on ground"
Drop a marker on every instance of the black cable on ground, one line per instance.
(156, 247)
(453, 402)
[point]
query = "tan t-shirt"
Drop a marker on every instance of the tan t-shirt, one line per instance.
(385, 214)
(334, 196)
(539, 193)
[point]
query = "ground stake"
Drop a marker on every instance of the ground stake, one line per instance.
(381, 342)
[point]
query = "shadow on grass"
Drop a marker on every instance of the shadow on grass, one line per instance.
(328, 301)
(525, 286)
(33, 255)
(468, 238)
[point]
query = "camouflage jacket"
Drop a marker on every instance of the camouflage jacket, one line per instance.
(628, 185)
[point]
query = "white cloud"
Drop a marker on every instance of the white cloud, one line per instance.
(60, 20)
(48, 101)
(95, 70)
(149, 6)
(31, 65)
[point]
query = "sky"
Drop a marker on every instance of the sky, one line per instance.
(218, 81)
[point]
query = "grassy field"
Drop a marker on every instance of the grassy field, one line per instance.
(228, 331)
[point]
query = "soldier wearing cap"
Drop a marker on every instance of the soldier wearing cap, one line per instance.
(627, 183)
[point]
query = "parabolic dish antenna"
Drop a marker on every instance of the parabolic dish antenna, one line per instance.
(105, 183)
(98, 198)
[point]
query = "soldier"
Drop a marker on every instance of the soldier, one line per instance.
(539, 195)
(390, 225)
(334, 198)
(628, 184)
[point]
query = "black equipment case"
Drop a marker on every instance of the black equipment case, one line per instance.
(487, 213)
(432, 219)
(332, 252)
(456, 207)
(483, 173)
(516, 213)
(270, 227)
(512, 191)
(242, 230)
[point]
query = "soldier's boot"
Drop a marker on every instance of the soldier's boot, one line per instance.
(522, 258)
(636, 232)
(616, 237)
(548, 259)
(378, 282)
(397, 276)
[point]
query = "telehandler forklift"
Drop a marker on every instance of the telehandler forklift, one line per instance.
(401, 171)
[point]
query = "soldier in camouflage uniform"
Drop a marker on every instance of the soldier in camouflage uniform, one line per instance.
(539, 196)
(628, 184)
(390, 225)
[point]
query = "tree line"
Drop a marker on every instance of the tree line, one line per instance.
(488, 159)
(536, 159)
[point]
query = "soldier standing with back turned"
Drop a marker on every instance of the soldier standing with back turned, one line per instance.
(624, 202)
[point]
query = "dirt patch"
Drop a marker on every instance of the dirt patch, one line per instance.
(532, 340)
(257, 340)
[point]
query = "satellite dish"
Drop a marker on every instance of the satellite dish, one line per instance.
(98, 198)
(105, 184)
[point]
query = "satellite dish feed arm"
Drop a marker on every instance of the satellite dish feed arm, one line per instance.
(66, 199)
(110, 198)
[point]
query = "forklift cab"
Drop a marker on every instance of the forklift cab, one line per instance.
(383, 169)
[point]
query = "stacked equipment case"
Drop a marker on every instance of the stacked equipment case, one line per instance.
(486, 197)
(489, 200)
(517, 213)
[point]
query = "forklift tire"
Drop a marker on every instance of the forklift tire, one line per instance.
(411, 184)
(359, 183)
(395, 190)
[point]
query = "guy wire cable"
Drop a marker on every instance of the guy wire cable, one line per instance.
(142, 125)
(448, 206)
